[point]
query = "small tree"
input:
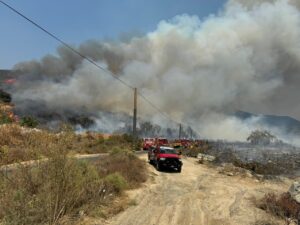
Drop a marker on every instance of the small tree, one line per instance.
(5, 97)
(29, 121)
(261, 137)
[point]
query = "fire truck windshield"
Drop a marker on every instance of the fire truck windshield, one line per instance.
(167, 151)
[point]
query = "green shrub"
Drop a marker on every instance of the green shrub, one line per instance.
(5, 97)
(60, 186)
(28, 121)
(4, 118)
(125, 163)
(116, 182)
(26, 144)
(44, 194)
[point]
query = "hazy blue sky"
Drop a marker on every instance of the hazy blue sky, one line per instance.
(77, 20)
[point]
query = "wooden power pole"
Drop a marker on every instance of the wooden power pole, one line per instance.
(180, 128)
(134, 133)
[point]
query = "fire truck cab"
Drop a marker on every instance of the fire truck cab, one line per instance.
(148, 143)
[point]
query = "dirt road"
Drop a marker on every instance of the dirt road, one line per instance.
(199, 195)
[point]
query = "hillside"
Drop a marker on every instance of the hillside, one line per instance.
(284, 123)
(7, 74)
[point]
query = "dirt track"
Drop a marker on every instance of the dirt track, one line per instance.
(199, 195)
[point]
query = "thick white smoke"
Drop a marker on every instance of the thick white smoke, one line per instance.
(198, 71)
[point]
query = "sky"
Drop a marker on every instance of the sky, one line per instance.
(78, 21)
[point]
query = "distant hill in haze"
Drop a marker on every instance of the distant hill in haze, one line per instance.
(7, 77)
(284, 123)
(4, 74)
(7, 74)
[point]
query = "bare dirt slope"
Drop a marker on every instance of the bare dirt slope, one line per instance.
(198, 195)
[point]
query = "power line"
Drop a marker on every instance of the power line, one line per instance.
(89, 60)
(83, 56)
(156, 108)
(66, 45)
(166, 115)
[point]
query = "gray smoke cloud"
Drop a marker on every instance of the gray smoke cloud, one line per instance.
(257, 3)
(198, 71)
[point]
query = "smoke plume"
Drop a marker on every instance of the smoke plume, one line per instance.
(199, 71)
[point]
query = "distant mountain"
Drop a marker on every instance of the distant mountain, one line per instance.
(284, 123)
(4, 74)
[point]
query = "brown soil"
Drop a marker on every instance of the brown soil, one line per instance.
(198, 195)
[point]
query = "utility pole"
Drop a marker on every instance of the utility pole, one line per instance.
(134, 134)
(180, 128)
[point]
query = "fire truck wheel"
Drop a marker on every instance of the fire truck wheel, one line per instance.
(158, 167)
(179, 170)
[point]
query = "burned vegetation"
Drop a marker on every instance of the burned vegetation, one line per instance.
(263, 154)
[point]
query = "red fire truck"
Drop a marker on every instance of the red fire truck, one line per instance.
(148, 143)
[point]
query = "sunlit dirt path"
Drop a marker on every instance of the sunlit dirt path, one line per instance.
(198, 195)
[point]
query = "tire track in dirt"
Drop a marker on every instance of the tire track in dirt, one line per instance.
(198, 195)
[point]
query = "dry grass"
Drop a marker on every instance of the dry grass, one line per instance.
(58, 190)
(63, 188)
(46, 193)
(22, 144)
(193, 152)
(282, 206)
(266, 222)
(125, 163)
(268, 168)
